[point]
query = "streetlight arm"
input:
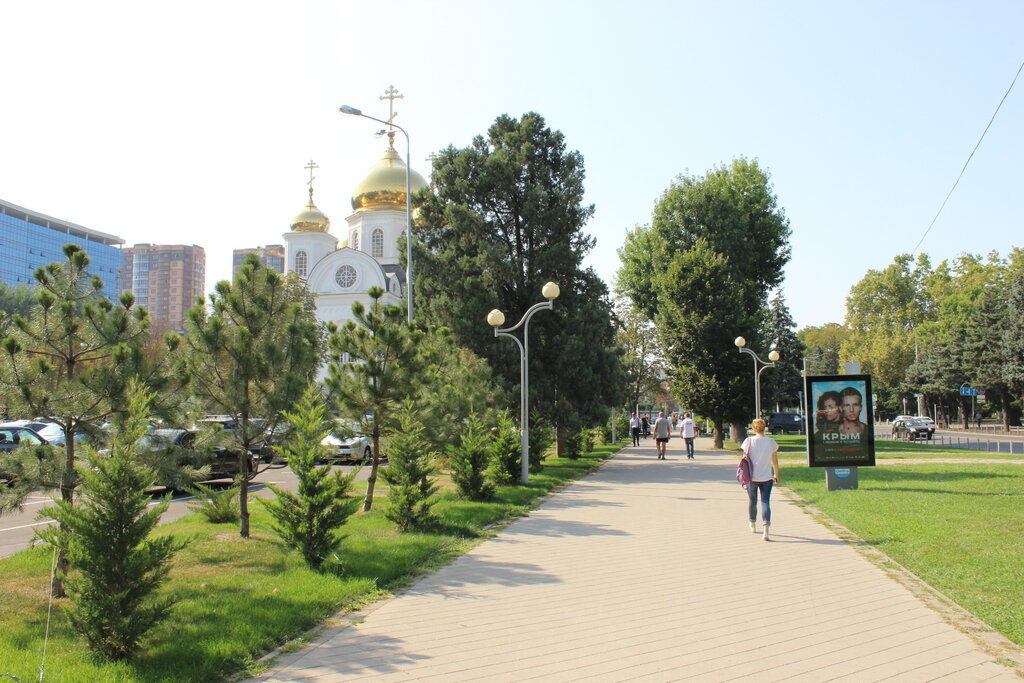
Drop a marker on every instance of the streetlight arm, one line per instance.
(526, 318)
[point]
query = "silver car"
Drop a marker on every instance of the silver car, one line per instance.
(350, 447)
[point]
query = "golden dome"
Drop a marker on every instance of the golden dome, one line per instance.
(311, 219)
(384, 186)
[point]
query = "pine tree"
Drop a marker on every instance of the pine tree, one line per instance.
(782, 385)
(409, 471)
(116, 565)
(469, 457)
(309, 520)
(70, 361)
(374, 368)
(250, 355)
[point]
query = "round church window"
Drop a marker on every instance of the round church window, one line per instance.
(346, 276)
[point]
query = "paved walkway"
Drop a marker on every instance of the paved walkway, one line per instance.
(646, 571)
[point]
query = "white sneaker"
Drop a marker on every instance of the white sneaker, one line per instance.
(765, 536)
(753, 528)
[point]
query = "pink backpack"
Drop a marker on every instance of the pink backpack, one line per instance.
(744, 469)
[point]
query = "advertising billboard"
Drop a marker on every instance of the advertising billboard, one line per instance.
(840, 428)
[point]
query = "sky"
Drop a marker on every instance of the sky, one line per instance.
(191, 122)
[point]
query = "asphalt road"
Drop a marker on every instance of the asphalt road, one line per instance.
(17, 529)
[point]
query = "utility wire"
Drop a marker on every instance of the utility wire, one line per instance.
(968, 161)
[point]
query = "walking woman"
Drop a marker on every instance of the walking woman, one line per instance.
(764, 473)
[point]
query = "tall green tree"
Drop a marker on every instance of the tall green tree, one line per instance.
(939, 371)
(375, 366)
(822, 344)
(782, 385)
(643, 363)
(986, 355)
(1013, 335)
(69, 361)
(885, 312)
(250, 354)
(503, 216)
(117, 566)
(727, 226)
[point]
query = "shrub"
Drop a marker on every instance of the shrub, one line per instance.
(572, 442)
(506, 452)
(309, 520)
(469, 459)
(219, 507)
(542, 435)
(587, 440)
(410, 466)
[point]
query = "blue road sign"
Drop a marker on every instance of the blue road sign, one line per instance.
(968, 391)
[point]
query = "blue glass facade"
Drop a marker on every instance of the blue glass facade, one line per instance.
(29, 240)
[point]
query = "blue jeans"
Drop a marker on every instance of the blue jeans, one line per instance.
(689, 447)
(765, 487)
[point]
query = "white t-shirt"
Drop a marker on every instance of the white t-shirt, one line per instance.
(760, 450)
(688, 428)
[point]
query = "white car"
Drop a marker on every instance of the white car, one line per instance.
(355, 449)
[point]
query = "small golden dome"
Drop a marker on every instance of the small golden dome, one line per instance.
(384, 186)
(311, 219)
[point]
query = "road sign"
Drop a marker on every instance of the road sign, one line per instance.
(968, 391)
(918, 395)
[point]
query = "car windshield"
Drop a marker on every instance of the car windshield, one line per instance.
(918, 422)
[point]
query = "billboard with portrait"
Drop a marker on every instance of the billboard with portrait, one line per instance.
(840, 428)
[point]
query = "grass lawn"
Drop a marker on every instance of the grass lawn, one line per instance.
(240, 598)
(957, 526)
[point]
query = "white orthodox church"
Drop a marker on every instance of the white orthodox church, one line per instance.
(368, 254)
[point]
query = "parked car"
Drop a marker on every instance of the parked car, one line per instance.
(347, 445)
(13, 435)
(223, 461)
(786, 423)
(913, 429)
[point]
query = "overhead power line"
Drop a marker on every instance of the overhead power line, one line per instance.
(971, 156)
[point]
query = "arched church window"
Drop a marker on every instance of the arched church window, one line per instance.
(345, 276)
(377, 243)
(301, 263)
(355, 240)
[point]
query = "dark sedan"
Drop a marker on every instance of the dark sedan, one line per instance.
(913, 429)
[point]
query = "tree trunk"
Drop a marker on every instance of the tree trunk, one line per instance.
(559, 442)
(738, 432)
(67, 494)
(719, 434)
(372, 480)
(243, 492)
(1004, 405)
(965, 418)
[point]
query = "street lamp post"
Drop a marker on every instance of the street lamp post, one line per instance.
(496, 319)
(759, 366)
(352, 111)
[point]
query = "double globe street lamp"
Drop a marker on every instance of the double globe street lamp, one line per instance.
(496, 319)
(759, 366)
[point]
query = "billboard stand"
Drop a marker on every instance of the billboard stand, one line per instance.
(840, 428)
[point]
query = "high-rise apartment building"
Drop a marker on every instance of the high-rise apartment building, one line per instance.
(166, 279)
(29, 239)
(271, 256)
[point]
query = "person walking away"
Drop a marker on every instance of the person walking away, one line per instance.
(764, 473)
(688, 432)
(662, 433)
(646, 426)
(634, 428)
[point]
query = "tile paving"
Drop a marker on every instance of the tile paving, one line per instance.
(646, 570)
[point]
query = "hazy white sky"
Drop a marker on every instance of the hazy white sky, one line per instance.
(190, 122)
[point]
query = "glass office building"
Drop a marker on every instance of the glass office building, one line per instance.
(29, 239)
